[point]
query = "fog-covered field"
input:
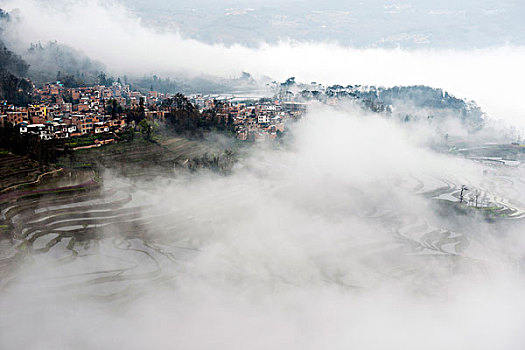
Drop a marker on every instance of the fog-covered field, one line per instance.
(349, 236)
(346, 234)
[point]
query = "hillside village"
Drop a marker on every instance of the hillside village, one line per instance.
(58, 112)
(62, 113)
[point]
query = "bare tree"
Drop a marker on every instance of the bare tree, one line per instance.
(463, 189)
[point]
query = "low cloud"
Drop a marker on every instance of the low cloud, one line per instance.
(109, 32)
(327, 243)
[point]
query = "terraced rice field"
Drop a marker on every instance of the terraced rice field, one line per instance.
(18, 170)
(117, 233)
(75, 215)
(139, 157)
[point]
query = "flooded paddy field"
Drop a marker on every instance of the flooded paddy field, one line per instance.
(72, 216)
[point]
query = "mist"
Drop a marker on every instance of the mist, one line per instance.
(329, 242)
(110, 33)
(348, 234)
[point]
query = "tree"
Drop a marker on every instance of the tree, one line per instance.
(15, 90)
(102, 78)
(290, 81)
(28, 145)
(148, 129)
(463, 188)
(113, 108)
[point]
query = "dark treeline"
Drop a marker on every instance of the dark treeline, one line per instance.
(14, 87)
(28, 145)
(406, 102)
(12, 62)
(156, 83)
(15, 90)
(184, 118)
(55, 61)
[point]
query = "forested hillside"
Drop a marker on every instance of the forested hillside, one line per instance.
(14, 86)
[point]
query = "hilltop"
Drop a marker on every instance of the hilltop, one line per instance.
(406, 103)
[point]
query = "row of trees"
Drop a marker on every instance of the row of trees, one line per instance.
(185, 118)
(28, 145)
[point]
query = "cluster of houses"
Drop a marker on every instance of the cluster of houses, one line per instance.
(69, 112)
(51, 121)
(253, 119)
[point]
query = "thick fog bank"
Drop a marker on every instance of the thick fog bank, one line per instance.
(327, 243)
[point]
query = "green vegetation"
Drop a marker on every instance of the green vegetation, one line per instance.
(149, 128)
(87, 140)
(185, 119)
(14, 87)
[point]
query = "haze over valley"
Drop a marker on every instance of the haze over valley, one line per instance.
(277, 175)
